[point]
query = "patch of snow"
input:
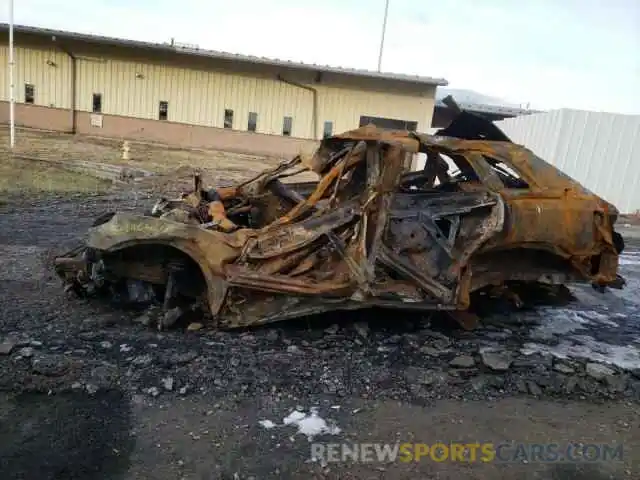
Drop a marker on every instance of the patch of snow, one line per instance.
(630, 291)
(294, 417)
(560, 321)
(629, 257)
(624, 356)
(600, 318)
(167, 383)
(624, 260)
(310, 424)
(267, 424)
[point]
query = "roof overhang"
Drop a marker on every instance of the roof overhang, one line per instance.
(214, 54)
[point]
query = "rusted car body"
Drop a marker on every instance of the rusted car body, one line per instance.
(483, 212)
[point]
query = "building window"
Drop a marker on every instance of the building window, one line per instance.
(228, 118)
(328, 129)
(163, 112)
(389, 123)
(287, 125)
(97, 103)
(253, 121)
(29, 93)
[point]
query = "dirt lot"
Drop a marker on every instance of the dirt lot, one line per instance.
(169, 163)
(155, 157)
(86, 391)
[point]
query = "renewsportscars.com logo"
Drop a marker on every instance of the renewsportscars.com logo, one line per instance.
(505, 452)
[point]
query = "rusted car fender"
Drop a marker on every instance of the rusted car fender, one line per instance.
(210, 250)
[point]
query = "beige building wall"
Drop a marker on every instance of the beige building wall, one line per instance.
(49, 70)
(198, 90)
(194, 97)
(200, 97)
(344, 107)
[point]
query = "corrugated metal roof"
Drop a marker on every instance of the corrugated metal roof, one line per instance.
(478, 102)
(600, 150)
(195, 51)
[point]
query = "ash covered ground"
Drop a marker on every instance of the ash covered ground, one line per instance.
(87, 391)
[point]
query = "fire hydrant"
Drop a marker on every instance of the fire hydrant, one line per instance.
(125, 150)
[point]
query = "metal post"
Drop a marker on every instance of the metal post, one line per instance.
(384, 29)
(12, 126)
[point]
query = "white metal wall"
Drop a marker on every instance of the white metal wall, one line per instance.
(600, 150)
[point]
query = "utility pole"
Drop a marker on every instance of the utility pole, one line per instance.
(384, 29)
(12, 100)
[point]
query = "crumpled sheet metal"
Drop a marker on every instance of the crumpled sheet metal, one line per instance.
(361, 238)
(555, 204)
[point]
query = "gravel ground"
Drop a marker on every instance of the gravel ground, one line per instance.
(86, 391)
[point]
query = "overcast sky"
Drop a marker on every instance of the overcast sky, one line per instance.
(549, 53)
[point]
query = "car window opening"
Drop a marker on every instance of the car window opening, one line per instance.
(509, 177)
(441, 172)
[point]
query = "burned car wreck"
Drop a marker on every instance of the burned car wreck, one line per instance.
(482, 213)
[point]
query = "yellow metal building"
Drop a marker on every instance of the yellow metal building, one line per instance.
(184, 95)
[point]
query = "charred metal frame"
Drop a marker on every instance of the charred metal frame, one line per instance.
(368, 233)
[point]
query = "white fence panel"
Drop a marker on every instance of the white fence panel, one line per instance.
(600, 150)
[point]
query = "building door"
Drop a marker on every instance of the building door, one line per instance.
(389, 123)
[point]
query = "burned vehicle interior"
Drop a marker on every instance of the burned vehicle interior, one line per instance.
(482, 212)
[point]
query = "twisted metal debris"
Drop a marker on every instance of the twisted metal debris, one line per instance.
(482, 213)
